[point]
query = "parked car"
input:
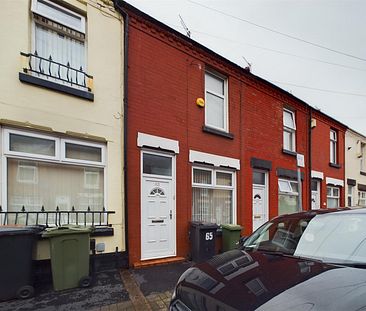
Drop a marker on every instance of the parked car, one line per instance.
(306, 261)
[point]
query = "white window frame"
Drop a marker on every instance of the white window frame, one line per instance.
(202, 169)
(332, 196)
(361, 196)
(7, 151)
(350, 190)
(363, 157)
(161, 154)
(82, 143)
(333, 146)
(214, 185)
(291, 130)
(46, 12)
(224, 97)
(289, 183)
(58, 159)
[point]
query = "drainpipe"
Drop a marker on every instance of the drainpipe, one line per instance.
(118, 6)
(309, 150)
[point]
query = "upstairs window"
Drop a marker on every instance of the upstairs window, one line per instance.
(363, 158)
(59, 35)
(216, 112)
(333, 146)
(289, 130)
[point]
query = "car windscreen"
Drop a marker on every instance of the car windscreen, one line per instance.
(336, 238)
(280, 235)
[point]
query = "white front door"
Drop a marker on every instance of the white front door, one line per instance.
(315, 194)
(260, 201)
(157, 206)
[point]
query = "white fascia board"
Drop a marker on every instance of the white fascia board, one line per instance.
(334, 181)
(213, 159)
(146, 140)
(316, 174)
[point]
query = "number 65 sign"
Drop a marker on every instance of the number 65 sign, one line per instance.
(209, 236)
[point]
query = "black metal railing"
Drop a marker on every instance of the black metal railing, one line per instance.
(48, 68)
(55, 218)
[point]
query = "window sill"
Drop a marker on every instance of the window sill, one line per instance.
(102, 231)
(211, 130)
(26, 78)
(334, 165)
(363, 173)
(289, 152)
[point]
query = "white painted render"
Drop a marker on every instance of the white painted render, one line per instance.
(31, 107)
(353, 153)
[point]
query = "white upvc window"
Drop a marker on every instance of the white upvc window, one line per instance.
(362, 198)
(333, 195)
(213, 195)
(333, 146)
(363, 158)
(47, 171)
(350, 196)
(59, 33)
(289, 130)
(288, 193)
(216, 107)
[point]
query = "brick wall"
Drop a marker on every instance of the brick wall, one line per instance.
(166, 76)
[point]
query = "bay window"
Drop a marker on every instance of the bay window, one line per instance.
(288, 193)
(47, 172)
(213, 198)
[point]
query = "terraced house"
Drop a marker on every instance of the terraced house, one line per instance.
(210, 141)
(355, 168)
(61, 120)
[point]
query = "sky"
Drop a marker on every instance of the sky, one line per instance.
(314, 49)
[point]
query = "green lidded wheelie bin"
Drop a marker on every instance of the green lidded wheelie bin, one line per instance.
(70, 249)
(230, 236)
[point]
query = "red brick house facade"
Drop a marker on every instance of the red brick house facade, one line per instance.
(327, 164)
(209, 141)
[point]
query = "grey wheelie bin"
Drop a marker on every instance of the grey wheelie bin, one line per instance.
(70, 249)
(16, 261)
(202, 236)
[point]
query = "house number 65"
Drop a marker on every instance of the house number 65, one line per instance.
(209, 236)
